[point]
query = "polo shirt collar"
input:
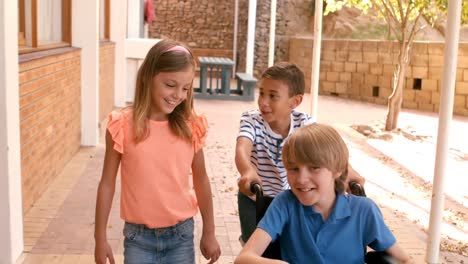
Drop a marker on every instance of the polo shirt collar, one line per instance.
(291, 124)
(342, 209)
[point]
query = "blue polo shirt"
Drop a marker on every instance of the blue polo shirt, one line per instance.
(354, 223)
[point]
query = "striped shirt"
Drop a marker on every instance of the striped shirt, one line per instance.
(267, 148)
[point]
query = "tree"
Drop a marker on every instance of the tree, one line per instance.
(403, 19)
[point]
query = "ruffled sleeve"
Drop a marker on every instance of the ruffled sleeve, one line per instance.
(116, 129)
(199, 132)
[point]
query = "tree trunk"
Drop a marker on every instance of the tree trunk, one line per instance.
(396, 98)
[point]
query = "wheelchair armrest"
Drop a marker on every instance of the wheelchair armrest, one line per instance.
(379, 257)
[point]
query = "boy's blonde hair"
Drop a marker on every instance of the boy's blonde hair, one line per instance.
(161, 59)
(318, 145)
(288, 73)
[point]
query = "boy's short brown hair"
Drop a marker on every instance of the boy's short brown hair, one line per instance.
(290, 74)
(318, 145)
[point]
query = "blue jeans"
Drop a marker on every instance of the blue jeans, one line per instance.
(247, 216)
(168, 245)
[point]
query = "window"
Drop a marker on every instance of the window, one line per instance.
(49, 24)
(104, 19)
(417, 84)
(375, 91)
(43, 24)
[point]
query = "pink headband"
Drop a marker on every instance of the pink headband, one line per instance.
(178, 48)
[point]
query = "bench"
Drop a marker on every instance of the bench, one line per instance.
(209, 70)
(246, 85)
(199, 52)
(215, 81)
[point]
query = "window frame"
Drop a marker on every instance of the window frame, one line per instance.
(66, 27)
(106, 21)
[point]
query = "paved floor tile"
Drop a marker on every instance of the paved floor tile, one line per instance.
(59, 227)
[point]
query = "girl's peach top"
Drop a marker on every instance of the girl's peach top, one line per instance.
(155, 188)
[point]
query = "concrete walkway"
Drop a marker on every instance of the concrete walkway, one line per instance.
(59, 227)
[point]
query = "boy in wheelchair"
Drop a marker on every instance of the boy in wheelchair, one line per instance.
(262, 134)
(315, 221)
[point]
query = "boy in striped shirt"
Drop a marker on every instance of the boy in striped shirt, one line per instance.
(261, 137)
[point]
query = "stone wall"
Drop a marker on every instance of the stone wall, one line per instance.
(50, 116)
(198, 23)
(363, 70)
(242, 34)
(209, 24)
(292, 18)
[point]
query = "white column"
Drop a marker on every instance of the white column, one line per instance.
(251, 36)
(271, 49)
(314, 81)
(131, 71)
(85, 34)
(11, 216)
(443, 133)
(135, 18)
(118, 32)
(135, 52)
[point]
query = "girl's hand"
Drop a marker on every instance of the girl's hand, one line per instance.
(102, 252)
(210, 248)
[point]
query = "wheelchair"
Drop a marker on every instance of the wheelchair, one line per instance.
(273, 250)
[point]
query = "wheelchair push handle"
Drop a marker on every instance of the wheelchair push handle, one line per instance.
(260, 206)
(256, 189)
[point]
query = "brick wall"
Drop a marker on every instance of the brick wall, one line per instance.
(49, 116)
(106, 78)
(363, 70)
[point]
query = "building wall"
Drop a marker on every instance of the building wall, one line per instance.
(363, 70)
(106, 78)
(50, 104)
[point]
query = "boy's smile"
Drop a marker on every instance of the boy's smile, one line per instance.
(266, 114)
(306, 189)
(313, 186)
